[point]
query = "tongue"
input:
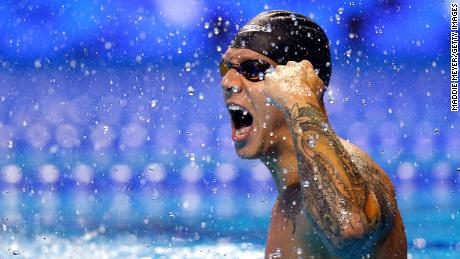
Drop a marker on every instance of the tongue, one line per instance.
(241, 133)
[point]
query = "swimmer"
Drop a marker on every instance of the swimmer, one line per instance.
(333, 200)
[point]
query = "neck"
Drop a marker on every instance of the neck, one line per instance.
(282, 164)
(282, 160)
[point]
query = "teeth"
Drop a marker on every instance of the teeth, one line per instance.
(234, 107)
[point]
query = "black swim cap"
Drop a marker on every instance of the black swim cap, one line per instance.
(286, 36)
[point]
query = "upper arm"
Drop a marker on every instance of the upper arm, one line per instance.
(339, 194)
(381, 188)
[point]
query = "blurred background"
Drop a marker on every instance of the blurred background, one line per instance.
(112, 120)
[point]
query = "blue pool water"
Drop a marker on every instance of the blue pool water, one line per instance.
(112, 226)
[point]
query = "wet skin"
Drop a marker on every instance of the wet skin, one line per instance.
(340, 203)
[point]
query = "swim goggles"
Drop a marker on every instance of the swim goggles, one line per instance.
(253, 70)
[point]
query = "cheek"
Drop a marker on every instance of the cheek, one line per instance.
(275, 116)
(256, 94)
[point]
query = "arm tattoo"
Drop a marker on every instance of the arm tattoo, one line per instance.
(331, 186)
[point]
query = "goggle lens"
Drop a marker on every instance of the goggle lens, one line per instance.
(253, 70)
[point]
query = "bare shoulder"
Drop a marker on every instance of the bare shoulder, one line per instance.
(375, 175)
(394, 244)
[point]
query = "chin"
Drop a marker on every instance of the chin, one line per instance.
(251, 149)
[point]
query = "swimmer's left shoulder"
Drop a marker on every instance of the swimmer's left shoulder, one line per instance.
(366, 164)
(359, 157)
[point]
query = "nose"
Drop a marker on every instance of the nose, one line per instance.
(233, 88)
(232, 84)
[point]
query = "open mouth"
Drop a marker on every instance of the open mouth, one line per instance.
(241, 122)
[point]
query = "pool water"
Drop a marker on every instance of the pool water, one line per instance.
(430, 213)
(126, 246)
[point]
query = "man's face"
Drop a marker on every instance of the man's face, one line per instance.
(257, 128)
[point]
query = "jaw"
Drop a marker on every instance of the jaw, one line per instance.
(252, 147)
(266, 142)
(247, 151)
(260, 135)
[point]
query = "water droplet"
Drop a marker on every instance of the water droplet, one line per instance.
(38, 63)
(190, 90)
(379, 29)
(324, 126)
(330, 97)
(311, 142)
(188, 66)
(348, 53)
(108, 45)
(235, 89)
(153, 103)
(276, 254)
(268, 101)
(299, 251)
(341, 10)
(306, 184)
(436, 131)
(73, 63)
(419, 243)
(261, 76)
(337, 17)
(16, 252)
(5, 227)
